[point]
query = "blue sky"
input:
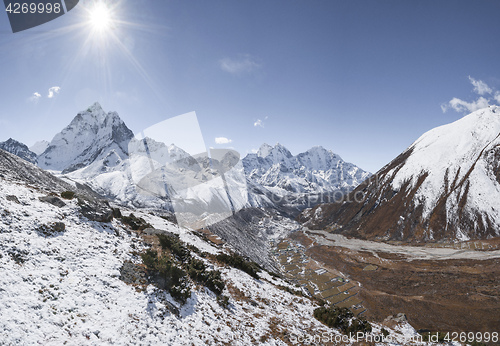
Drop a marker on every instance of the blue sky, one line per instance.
(362, 78)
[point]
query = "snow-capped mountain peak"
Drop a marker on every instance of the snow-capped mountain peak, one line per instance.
(278, 153)
(460, 143)
(90, 136)
(264, 150)
(93, 115)
(319, 158)
(95, 108)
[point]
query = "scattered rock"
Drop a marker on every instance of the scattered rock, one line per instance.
(131, 273)
(172, 308)
(51, 230)
(18, 256)
(68, 194)
(59, 227)
(56, 201)
(13, 198)
(169, 217)
(399, 318)
(135, 223)
(153, 231)
(95, 210)
(117, 214)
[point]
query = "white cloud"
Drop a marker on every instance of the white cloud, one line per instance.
(244, 64)
(462, 106)
(222, 140)
(35, 97)
(497, 97)
(480, 87)
(53, 91)
(260, 122)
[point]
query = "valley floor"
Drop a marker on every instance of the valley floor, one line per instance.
(439, 289)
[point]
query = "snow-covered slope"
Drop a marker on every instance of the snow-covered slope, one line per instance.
(445, 186)
(19, 149)
(92, 135)
(61, 282)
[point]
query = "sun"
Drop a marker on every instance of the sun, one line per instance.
(100, 18)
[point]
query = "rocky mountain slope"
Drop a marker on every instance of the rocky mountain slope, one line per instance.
(22, 173)
(444, 187)
(19, 149)
(67, 279)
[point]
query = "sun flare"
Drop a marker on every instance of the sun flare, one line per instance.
(100, 18)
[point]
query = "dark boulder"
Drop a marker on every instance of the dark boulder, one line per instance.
(95, 210)
(55, 201)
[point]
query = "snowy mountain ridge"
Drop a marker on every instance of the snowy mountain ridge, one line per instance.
(445, 186)
(462, 145)
(97, 148)
(315, 171)
(19, 149)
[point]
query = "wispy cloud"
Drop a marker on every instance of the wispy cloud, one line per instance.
(260, 122)
(51, 94)
(222, 140)
(35, 97)
(462, 106)
(244, 64)
(53, 91)
(480, 88)
(497, 97)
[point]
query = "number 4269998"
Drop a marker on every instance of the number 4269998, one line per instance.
(470, 337)
(18, 8)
